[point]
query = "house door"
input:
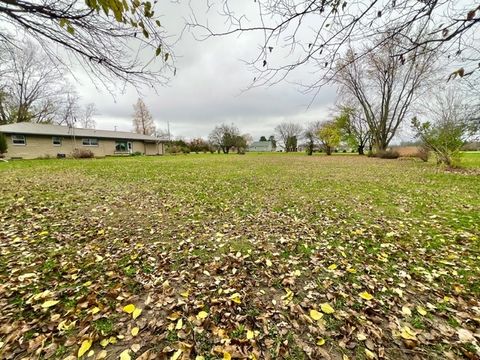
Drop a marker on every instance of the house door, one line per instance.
(130, 147)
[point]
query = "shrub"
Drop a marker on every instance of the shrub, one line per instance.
(388, 154)
(136, 153)
(3, 145)
(344, 151)
(82, 154)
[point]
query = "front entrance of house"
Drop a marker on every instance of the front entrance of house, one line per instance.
(123, 147)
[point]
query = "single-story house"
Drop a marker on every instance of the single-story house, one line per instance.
(30, 140)
(261, 146)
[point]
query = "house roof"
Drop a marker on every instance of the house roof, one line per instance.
(260, 144)
(60, 130)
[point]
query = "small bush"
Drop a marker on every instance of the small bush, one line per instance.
(82, 154)
(388, 154)
(370, 153)
(136, 153)
(423, 153)
(344, 151)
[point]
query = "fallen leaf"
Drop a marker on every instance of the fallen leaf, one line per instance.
(176, 355)
(421, 311)
(227, 356)
(130, 308)
(135, 331)
(250, 334)
(370, 355)
(406, 310)
(365, 295)
(136, 313)
(202, 315)
(179, 324)
(407, 333)
(332, 267)
(86, 345)
(236, 298)
(50, 303)
(321, 342)
(327, 309)
(315, 315)
(125, 355)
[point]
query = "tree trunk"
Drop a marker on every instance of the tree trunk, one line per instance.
(360, 150)
(328, 150)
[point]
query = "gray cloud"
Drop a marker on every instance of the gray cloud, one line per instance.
(207, 91)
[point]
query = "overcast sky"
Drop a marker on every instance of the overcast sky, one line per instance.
(207, 90)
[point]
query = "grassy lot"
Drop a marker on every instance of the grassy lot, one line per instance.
(259, 256)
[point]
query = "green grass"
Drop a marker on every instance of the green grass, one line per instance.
(98, 234)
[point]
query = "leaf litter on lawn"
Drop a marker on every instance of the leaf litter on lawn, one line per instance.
(213, 260)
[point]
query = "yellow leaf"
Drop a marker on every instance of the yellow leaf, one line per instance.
(352, 270)
(185, 294)
(94, 310)
(327, 309)
(227, 356)
(202, 315)
(135, 331)
(297, 273)
(101, 355)
(50, 303)
(198, 357)
(179, 324)
(268, 263)
(176, 355)
(174, 316)
(250, 334)
(130, 308)
(236, 298)
(421, 311)
(104, 342)
(370, 355)
(125, 355)
(320, 342)
(136, 313)
(365, 295)
(86, 344)
(407, 333)
(315, 315)
(406, 310)
(332, 267)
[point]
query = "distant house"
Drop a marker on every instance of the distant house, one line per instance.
(261, 146)
(29, 141)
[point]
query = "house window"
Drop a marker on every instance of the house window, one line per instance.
(19, 140)
(90, 142)
(123, 146)
(56, 141)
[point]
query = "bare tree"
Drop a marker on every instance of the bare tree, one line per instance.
(223, 137)
(31, 85)
(306, 33)
(385, 86)
(289, 133)
(101, 34)
(142, 119)
(86, 116)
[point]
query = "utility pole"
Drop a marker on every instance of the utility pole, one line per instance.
(168, 130)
